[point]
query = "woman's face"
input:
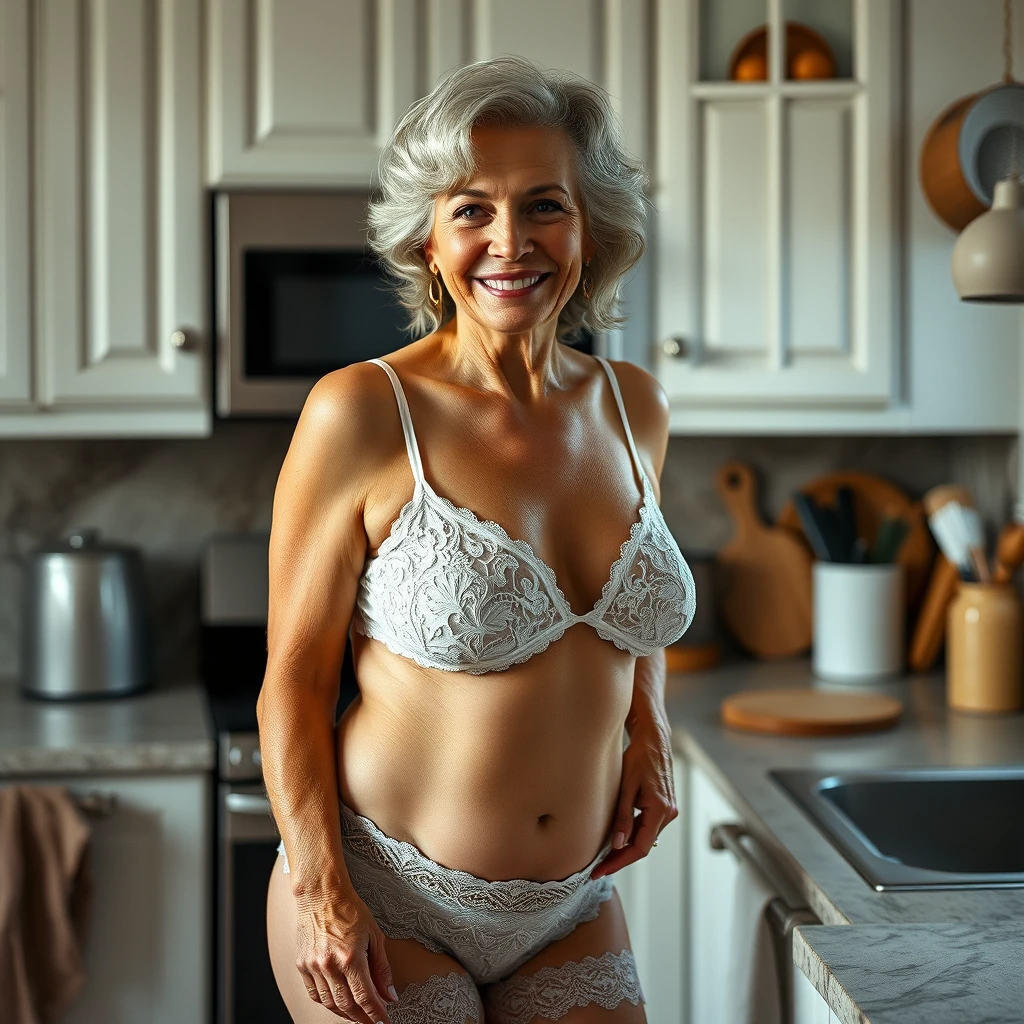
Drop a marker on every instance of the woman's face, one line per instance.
(510, 242)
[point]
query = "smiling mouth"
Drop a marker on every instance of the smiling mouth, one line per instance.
(512, 289)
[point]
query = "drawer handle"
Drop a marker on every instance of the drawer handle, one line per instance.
(246, 803)
(96, 804)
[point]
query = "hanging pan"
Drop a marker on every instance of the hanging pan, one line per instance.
(974, 143)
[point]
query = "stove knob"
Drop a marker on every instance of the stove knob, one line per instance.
(235, 755)
(256, 758)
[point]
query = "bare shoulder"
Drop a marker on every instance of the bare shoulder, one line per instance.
(647, 409)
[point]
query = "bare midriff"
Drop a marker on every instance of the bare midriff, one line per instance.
(511, 774)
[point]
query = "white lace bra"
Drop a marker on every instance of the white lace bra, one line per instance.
(456, 593)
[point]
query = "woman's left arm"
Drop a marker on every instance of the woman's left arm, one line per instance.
(647, 781)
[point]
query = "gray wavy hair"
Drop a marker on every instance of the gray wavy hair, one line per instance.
(430, 153)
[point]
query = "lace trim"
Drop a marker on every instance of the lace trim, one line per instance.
(441, 999)
(552, 992)
(456, 888)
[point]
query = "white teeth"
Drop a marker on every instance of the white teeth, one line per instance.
(508, 286)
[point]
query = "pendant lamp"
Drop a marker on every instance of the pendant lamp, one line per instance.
(988, 258)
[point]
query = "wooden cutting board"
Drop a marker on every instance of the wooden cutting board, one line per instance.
(805, 712)
(765, 575)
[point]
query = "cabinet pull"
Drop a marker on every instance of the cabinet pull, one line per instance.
(783, 914)
(246, 803)
(181, 340)
(96, 804)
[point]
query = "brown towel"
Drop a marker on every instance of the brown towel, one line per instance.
(45, 896)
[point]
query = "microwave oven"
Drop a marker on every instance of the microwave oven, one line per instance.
(297, 294)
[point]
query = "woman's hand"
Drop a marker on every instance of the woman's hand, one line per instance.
(340, 955)
(646, 784)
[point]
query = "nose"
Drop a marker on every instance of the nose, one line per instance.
(510, 236)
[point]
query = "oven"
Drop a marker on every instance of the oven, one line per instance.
(297, 294)
(233, 659)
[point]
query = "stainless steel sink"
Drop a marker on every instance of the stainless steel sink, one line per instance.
(919, 828)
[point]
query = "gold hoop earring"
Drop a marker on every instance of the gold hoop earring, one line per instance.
(586, 287)
(438, 300)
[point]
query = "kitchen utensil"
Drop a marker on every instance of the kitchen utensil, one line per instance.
(874, 498)
(968, 149)
(1009, 552)
(930, 628)
(800, 39)
(797, 711)
(765, 575)
(858, 621)
(817, 527)
(845, 521)
(958, 528)
(984, 663)
(891, 534)
(87, 630)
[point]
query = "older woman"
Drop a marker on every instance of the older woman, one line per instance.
(481, 507)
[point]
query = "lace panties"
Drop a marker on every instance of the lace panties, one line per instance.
(491, 928)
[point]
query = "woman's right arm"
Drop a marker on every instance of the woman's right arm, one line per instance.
(317, 549)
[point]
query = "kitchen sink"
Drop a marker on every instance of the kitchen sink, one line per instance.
(919, 828)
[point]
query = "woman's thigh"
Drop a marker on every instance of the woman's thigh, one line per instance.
(426, 990)
(568, 987)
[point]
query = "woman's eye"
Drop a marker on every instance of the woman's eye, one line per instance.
(465, 209)
(555, 207)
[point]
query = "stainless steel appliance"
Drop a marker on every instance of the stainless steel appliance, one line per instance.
(87, 630)
(233, 609)
(297, 295)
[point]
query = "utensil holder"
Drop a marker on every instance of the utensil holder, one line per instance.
(984, 655)
(858, 620)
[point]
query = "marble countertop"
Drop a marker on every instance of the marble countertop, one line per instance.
(879, 966)
(166, 729)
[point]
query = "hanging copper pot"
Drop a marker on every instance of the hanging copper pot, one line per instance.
(969, 148)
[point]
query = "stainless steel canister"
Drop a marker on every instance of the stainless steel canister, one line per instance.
(86, 627)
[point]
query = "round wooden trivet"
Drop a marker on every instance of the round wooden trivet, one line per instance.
(801, 711)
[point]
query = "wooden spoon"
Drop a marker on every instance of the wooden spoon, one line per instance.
(1009, 552)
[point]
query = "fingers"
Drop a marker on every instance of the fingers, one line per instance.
(336, 987)
(380, 969)
(647, 826)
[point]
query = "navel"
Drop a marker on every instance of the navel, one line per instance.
(544, 819)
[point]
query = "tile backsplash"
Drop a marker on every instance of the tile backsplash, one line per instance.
(167, 496)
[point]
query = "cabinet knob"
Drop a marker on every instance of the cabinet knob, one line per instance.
(180, 339)
(675, 347)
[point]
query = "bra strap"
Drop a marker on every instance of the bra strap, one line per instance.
(403, 410)
(622, 412)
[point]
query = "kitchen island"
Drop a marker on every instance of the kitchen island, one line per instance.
(893, 957)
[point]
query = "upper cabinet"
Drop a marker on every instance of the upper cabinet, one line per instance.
(306, 92)
(111, 225)
(777, 233)
(15, 252)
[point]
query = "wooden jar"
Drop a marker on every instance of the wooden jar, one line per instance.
(985, 649)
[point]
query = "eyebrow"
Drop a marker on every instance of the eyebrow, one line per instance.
(475, 193)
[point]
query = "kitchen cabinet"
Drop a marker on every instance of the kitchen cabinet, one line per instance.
(15, 192)
(711, 880)
(306, 92)
(777, 236)
(147, 950)
(800, 278)
(653, 898)
(117, 233)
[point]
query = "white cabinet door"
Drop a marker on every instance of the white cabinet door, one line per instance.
(776, 233)
(147, 950)
(653, 899)
(304, 92)
(712, 881)
(808, 1005)
(121, 270)
(15, 193)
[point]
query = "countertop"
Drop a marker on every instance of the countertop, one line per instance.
(877, 957)
(166, 729)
